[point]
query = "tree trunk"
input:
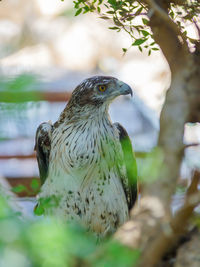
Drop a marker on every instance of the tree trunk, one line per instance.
(152, 217)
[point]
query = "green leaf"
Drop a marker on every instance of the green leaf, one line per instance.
(140, 48)
(145, 33)
(117, 22)
(171, 14)
(114, 28)
(139, 42)
(19, 188)
(78, 11)
(149, 53)
(155, 48)
(86, 9)
(116, 255)
(35, 184)
(145, 21)
(76, 5)
(138, 11)
(38, 210)
(124, 50)
(110, 12)
(104, 17)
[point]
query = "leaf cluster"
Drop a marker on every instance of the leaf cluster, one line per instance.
(133, 17)
(34, 188)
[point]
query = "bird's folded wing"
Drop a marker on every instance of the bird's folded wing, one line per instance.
(130, 181)
(42, 148)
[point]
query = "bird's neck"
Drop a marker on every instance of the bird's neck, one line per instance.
(90, 112)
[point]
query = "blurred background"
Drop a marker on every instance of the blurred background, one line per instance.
(45, 52)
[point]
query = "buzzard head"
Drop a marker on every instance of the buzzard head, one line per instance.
(97, 91)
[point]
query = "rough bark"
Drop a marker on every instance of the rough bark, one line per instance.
(188, 254)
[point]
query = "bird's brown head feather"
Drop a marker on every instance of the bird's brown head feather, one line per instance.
(92, 95)
(98, 90)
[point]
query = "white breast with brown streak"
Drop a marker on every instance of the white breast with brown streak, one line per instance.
(84, 174)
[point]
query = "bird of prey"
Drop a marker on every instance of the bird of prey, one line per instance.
(86, 162)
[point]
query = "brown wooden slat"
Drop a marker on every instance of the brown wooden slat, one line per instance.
(30, 156)
(56, 96)
(33, 156)
(26, 181)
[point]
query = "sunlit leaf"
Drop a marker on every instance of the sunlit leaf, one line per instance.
(145, 33)
(145, 21)
(149, 53)
(104, 17)
(113, 28)
(138, 42)
(140, 48)
(78, 12)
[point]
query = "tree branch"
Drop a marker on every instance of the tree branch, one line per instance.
(152, 228)
(168, 36)
(170, 233)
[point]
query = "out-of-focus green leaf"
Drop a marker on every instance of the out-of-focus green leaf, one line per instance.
(35, 184)
(149, 167)
(19, 89)
(116, 255)
(49, 242)
(38, 210)
(19, 189)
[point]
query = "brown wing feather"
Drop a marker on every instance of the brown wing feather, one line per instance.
(42, 148)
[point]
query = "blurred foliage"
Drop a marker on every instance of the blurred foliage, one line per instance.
(181, 189)
(18, 83)
(149, 167)
(17, 96)
(19, 89)
(49, 242)
(46, 204)
(34, 188)
(132, 17)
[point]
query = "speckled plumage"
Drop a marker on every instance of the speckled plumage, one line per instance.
(86, 170)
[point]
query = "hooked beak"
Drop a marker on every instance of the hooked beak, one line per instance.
(124, 88)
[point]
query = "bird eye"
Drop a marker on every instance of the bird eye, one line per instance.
(102, 88)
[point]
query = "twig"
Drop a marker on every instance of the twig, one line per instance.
(197, 27)
(191, 145)
(164, 16)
